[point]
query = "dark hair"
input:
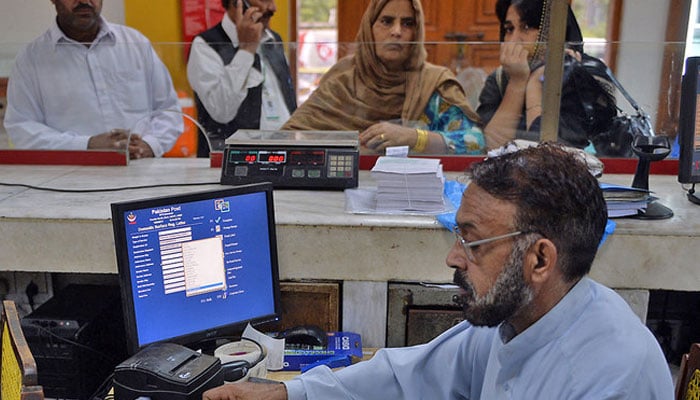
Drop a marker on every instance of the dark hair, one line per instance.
(554, 195)
(530, 12)
(225, 3)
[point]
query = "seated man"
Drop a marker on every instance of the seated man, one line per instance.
(87, 84)
(239, 74)
(527, 232)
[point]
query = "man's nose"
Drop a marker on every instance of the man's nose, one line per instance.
(456, 257)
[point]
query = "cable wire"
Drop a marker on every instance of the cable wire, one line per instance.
(115, 189)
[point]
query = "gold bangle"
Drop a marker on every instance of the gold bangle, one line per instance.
(421, 141)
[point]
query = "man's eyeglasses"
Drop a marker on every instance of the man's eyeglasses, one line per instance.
(469, 246)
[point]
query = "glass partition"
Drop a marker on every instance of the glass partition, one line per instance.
(640, 67)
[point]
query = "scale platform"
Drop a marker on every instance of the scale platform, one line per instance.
(326, 160)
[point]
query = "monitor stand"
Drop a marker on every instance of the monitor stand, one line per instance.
(208, 346)
(692, 196)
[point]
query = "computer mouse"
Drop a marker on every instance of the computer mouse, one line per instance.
(309, 335)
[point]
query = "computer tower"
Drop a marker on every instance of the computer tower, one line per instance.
(77, 338)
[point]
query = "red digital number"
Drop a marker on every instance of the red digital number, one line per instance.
(250, 158)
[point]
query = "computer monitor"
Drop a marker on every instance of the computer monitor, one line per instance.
(689, 128)
(196, 267)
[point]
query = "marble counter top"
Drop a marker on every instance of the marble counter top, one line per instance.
(317, 239)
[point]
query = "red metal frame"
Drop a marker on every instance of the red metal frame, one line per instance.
(63, 157)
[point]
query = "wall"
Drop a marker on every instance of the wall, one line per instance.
(639, 60)
(21, 21)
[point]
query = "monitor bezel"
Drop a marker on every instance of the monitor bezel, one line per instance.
(686, 121)
(125, 277)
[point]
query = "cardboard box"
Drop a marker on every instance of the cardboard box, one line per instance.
(339, 344)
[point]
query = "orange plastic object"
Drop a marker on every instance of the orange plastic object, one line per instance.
(186, 144)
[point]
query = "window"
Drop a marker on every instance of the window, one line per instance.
(318, 47)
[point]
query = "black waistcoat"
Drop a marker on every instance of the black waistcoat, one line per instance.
(248, 116)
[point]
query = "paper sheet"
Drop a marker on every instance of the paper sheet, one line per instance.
(275, 347)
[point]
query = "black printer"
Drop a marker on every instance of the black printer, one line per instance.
(167, 371)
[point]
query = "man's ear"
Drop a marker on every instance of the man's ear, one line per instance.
(541, 260)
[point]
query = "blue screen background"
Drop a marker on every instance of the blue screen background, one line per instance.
(249, 292)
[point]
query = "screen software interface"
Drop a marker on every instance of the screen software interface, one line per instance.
(199, 265)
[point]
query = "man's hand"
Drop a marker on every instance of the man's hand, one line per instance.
(249, 27)
(112, 140)
(247, 391)
(118, 139)
(138, 148)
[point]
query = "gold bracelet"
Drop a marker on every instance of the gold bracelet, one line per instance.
(421, 141)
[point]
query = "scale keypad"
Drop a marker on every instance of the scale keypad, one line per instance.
(340, 166)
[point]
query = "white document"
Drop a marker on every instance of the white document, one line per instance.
(274, 347)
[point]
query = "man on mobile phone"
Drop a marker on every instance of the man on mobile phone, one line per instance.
(240, 75)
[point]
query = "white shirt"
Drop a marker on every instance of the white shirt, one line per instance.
(60, 92)
(223, 88)
(589, 346)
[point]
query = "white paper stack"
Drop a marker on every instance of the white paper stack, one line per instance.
(409, 184)
(625, 201)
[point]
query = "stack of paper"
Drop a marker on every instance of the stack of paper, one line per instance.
(625, 201)
(409, 184)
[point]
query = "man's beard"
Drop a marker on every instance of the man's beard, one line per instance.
(508, 294)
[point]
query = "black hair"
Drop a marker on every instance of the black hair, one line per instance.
(555, 195)
(530, 12)
(225, 3)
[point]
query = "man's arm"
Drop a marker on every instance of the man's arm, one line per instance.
(221, 88)
(166, 123)
(247, 391)
(24, 119)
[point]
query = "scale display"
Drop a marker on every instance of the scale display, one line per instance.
(292, 159)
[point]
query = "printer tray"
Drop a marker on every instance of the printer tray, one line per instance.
(167, 371)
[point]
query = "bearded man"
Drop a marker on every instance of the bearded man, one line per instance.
(528, 229)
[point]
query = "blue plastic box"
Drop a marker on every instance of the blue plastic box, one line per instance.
(339, 344)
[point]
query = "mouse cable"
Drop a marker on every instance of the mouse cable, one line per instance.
(115, 189)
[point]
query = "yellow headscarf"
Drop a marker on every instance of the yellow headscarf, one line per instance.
(359, 91)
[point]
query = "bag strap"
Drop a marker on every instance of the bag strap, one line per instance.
(623, 91)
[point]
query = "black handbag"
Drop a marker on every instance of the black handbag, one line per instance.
(616, 140)
(587, 102)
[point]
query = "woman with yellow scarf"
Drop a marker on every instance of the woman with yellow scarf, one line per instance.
(390, 93)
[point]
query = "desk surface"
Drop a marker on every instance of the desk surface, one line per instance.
(317, 238)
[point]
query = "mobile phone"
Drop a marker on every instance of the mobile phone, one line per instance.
(246, 5)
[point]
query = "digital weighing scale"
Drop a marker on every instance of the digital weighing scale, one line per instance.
(326, 160)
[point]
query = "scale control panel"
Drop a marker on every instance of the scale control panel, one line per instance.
(302, 167)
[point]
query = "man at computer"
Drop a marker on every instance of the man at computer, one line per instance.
(239, 74)
(89, 84)
(527, 232)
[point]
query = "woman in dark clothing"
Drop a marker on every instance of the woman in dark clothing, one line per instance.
(511, 100)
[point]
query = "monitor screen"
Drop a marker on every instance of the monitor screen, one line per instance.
(197, 266)
(689, 124)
